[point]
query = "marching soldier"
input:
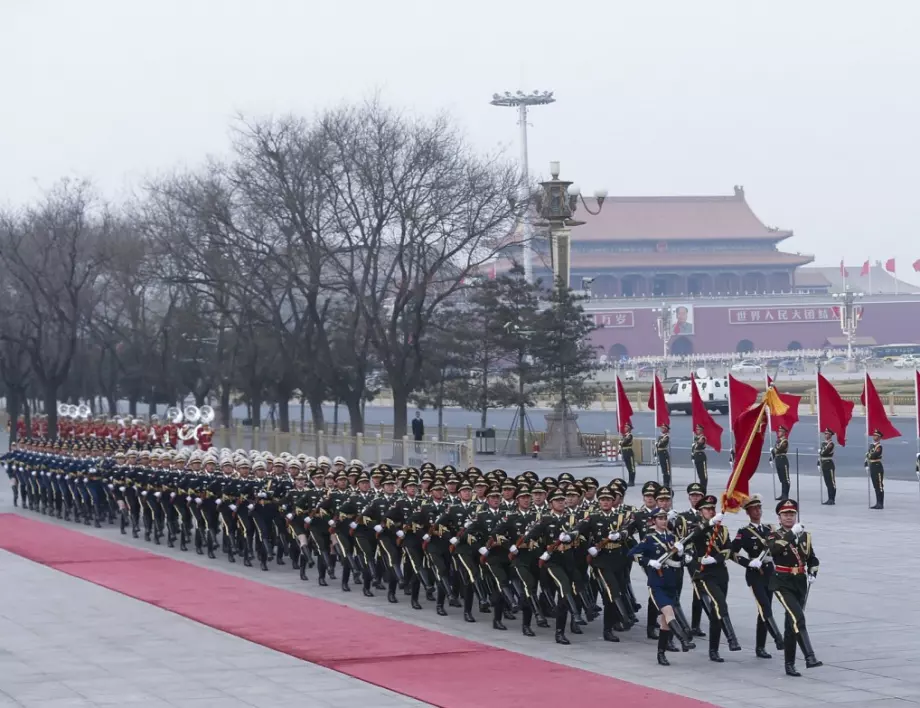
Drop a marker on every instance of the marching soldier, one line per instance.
(523, 556)
(796, 569)
(828, 469)
(663, 448)
(876, 471)
(497, 563)
(780, 458)
(753, 541)
(698, 453)
(627, 454)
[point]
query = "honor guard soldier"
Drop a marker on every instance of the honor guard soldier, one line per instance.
(779, 455)
(753, 541)
(828, 469)
(663, 448)
(796, 569)
(876, 471)
(627, 454)
(698, 454)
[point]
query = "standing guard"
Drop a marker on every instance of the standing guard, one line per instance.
(779, 455)
(828, 469)
(663, 448)
(698, 454)
(628, 455)
(876, 470)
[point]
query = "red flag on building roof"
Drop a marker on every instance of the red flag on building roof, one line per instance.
(790, 417)
(624, 408)
(889, 265)
(917, 265)
(865, 269)
(843, 271)
(711, 429)
(876, 418)
(741, 396)
(657, 403)
(834, 413)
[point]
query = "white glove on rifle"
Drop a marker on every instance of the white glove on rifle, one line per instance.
(158, 494)
(483, 551)
(707, 560)
(755, 563)
(592, 551)
(331, 523)
(198, 500)
(400, 534)
(378, 528)
(679, 547)
(219, 502)
(797, 529)
(250, 506)
(812, 578)
(615, 536)
(513, 550)
(353, 525)
(172, 495)
(717, 519)
(544, 557)
(653, 563)
(307, 521)
(564, 537)
(426, 537)
(467, 523)
(454, 541)
(287, 516)
(233, 508)
(672, 514)
(112, 486)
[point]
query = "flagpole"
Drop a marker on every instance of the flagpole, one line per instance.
(766, 383)
(866, 399)
(818, 411)
(733, 481)
(616, 391)
(917, 417)
(657, 407)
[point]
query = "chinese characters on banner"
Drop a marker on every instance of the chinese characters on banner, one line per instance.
(772, 315)
(615, 318)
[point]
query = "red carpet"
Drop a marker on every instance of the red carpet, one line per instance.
(440, 669)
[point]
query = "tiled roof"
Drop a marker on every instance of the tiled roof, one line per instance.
(878, 281)
(675, 260)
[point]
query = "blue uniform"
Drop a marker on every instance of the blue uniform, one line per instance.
(663, 584)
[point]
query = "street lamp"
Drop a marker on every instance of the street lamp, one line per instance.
(850, 314)
(556, 205)
(522, 101)
(664, 323)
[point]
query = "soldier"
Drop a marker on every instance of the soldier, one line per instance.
(494, 555)
(435, 542)
(753, 541)
(691, 519)
(455, 521)
(796, 569)
(779, 457)
(523, 557)
(627, 454)
(711, 548)
(663, 448)
(698, 454)
(660, 554)
(876, 470)
(828, 469)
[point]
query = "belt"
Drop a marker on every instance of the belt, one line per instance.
(673, 564)
(826, 458)
(780, 454)
(791, 570)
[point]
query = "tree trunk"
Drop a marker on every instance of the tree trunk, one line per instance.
(316, 411)
(284, 412)
(256, 412)
(132, 405)
(400, 412)
(355, 416)
(226, 413)
(201, 398)
(111, 403)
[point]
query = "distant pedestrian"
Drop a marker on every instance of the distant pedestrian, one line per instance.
(418, 429)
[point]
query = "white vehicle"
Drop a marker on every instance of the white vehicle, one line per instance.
(908, 361)
(713, 391)
(747, 367)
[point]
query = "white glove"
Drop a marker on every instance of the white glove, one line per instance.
(188, 500)
(307, 521)
(172, 495)
(262, 495)
(286, 516)
(233, 507)
(219, 502)
(812, 578)
(121, 489)
(144, 493)
(378, 528)
(483, 551)
(564, 537)
(653, 563)
(797, 529)
(467, 523)
(592, 551)
(426, 537)
(250, 506)
(400, 534)
(331, 523)
(679, 547)
(688, 559)
(513, 550)
(544, 557)
(672, 514)
(157, 494)
(454, 541)
(717, 518)
(707, 560)
(615, 536)
(352, 525)
(112, 486)
(755, 563)
(199, 500)
(284, 507)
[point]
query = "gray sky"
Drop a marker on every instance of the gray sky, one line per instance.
(812, 106)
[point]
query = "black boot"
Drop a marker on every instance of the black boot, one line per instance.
(678, 631)
(696, 616)
(415, 586)
(775, 633)
(497, 611)
(303, 564)
(715, 634)
(879, 500)
(789, 652)
(527, 616)
(760, 640)
(663, 637)
(561, 616)
(468, 593)
(538, 615)
(811, 661)
(346, 575)
(574, 625)
(391, 590)
(730, 635)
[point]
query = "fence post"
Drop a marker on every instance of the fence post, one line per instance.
(359, 446)
(891, 403)
(276, 441)
(378, 439)
(470, 452)
(320, 442)
(811, 402)
(638, 401)
(405, 450)
(237, 426)
(256, 437)
(603, 401)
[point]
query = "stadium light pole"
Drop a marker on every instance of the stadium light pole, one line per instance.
(850, 313)
(522, 101)
(664, 325)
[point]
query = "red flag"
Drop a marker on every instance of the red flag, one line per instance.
(889, 265)
(917, 265)
(834, 413)
(741, 396)
(790, 417)
(749, 435)
(657, 403)
(865, 269)
(711, 429)
(876, 418)
(624, 408)
(843, 271)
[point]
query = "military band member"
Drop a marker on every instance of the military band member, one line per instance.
(876, 470)
(660, 554)
(627, 454)
(698, 454)
(796, 568)
(780, 457)
(663, 449)
(828, 469)
(753, 541)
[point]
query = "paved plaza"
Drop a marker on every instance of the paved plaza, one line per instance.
(67, 642)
